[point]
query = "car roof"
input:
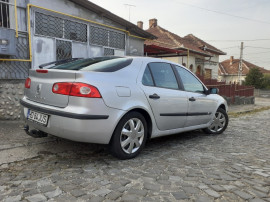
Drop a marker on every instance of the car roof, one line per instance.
(151, 59)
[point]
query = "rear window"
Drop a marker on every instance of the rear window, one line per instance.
(98, 64)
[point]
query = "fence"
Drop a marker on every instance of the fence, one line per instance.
(229, 90)
(262, 93)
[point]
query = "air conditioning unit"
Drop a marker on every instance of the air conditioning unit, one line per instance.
(7, 41)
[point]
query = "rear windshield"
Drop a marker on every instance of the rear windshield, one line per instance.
(98, 64)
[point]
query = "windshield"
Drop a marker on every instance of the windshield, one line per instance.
(97, 64)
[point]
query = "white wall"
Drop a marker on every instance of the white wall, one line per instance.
(192, 61)
(230, 78)
(134, 46)
(213, 67)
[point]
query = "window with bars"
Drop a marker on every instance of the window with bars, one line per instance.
(116, 40)
(48, 25)
(61, 28)
(99, 36)
(54, 26)
(105, 37)
(108, 51)
(4, 14)
(75, 31)
(63, 50)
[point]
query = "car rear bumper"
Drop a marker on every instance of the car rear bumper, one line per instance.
(93, 123)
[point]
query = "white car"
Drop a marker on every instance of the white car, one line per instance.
(119, 101)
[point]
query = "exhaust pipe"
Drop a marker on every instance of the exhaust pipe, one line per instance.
(34, 133)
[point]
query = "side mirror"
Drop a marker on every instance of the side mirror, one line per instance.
(213, 91)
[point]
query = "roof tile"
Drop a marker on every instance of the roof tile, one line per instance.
(226, 67)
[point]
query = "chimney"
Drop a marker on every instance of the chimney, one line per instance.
(231, 60)
(152, 22)
(140, 24)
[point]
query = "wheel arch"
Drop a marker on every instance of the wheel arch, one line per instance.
(222, 106)
(147, 117)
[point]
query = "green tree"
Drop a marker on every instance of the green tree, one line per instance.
(254, 78)
(266, 81)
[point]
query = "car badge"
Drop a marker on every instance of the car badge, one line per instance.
(38, 89)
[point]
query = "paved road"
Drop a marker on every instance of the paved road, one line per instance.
(234, 166)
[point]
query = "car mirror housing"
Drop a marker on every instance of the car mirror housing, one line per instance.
(213, 91)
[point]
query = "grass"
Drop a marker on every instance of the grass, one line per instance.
(249, 112)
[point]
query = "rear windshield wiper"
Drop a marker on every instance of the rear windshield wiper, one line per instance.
(58, 62)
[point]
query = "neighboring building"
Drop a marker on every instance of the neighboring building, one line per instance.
(229, 69)
(59, 29)
(190, 51)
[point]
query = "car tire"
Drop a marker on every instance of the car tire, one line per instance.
(129, 136)
(219, 122)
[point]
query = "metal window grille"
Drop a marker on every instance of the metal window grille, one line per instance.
(63, 50)
(57, 27)
(108, 51)
(117, 40)
(75, 31)
(104, 37)
(4, 14)
(48, 25)
(99, 36)
(15, 69)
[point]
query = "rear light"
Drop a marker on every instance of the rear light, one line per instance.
(76, 89)
(62, 88)
(27, 83)
(42, 71)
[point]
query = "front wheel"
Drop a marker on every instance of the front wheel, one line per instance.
(129, 136)
(219, 122)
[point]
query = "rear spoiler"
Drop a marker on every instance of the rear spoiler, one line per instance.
(58, 62)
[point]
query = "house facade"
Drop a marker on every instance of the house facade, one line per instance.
(34, 32)
(197, 55)
(229, 70)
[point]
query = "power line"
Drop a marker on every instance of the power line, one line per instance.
(257, 57)
(231, 47)
(255, 53)
(257, 47)
(223, 13)
(237, 40)
(260, 61)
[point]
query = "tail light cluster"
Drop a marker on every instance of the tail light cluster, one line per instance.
(27, 83)
(76, 89)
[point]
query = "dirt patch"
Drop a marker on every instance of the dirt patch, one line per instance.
(247, 112)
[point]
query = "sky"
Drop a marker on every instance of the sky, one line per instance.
(221, 23)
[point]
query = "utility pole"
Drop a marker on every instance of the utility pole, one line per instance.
(129, 5)
(240, 63)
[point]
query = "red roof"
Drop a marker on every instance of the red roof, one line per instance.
(155, 50)
(170, 40)
(231, 66)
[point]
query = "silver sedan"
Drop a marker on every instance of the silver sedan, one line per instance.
(119, 101)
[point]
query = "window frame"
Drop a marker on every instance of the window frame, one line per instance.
(5, 17)
(204, 87)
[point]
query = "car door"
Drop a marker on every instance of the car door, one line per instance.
(168, 103)
(200, 106)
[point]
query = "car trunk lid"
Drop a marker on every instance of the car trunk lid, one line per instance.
(41, 86)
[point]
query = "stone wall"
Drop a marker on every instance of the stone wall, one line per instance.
(11, 91)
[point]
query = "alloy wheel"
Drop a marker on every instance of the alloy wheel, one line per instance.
(132, 135)
(218, 122)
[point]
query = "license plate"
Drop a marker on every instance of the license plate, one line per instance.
(37, 117)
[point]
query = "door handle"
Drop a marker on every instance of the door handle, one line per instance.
(192, 99)
(154, 96)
